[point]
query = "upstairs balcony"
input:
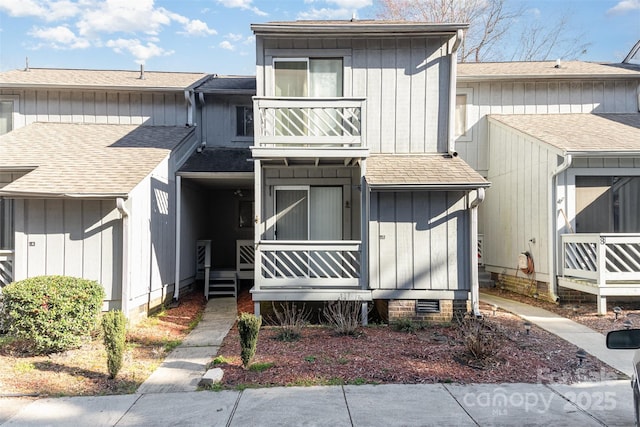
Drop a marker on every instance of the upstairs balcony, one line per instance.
(308, 128)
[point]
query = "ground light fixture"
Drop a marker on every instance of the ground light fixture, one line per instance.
(575, 309)
(627, 324)
(581, 355)
(617, 311)
(494, 308)
(527, 327)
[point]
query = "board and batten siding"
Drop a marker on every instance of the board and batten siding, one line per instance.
(516, 208)
(405, 82)
(79, 238)
(537, 97)
(104, 107)
(218, 121)
(419, 241)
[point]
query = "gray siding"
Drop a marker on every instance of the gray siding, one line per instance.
(147, 108)
(538, 97)
(517, 204)
(405, 80)
(81, 238)
(419, 241)
(218, 121)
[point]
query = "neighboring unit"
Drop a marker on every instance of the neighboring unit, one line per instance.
(560, 143)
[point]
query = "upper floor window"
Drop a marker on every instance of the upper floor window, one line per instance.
(244, 121)
(7, 110)
(308, 77)
(462, 131)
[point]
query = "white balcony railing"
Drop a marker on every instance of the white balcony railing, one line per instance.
(601, 257)
(6, 267)
(299, 264)
(309, 122)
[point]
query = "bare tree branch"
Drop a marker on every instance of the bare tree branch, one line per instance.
(491, 24)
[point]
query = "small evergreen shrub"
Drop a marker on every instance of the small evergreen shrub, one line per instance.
(52, 313)
(248, 328)
(114, 328)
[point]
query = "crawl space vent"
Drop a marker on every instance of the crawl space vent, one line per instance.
(424, 306)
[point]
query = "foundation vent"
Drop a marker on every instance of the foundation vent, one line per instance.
(424, 306)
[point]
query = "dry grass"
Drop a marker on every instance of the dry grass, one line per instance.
(83, 371)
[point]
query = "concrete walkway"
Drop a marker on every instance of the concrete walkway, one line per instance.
(579, 335)
(184, 366)
(585, 405)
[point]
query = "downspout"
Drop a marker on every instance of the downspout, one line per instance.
(176, 285)
(553, 231)
(120, 205)
(189, 101)
(453, 69)
(475, 286)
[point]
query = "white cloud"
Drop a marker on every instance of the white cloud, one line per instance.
(59, 37)
(42, 9)
(127, 16)
(198, 28)
(624, 6)
(325, 13)
(227, 45)
(351, 4)
(234, 37)
(242, 4)
(140, 52)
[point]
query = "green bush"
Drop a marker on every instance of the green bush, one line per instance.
(248, 328)
(114, 328)
(52, 313)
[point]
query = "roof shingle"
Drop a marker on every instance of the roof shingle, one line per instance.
(85, 160)
(435, 170)
(606, 133)
(469, 71)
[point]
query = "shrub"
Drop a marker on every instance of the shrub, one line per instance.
(52, 313)
(114, 328)
(478, 337)
(290, 320)
(344, 317)
(248, 328)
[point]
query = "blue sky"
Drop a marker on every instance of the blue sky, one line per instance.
(214, 36)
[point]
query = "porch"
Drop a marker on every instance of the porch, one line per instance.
(6, 267)
(601, 264)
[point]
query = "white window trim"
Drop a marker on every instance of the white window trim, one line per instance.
(468, 136)
(237, 138)
(16, 108)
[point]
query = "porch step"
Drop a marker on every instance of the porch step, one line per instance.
(227, 286)
(484, 279)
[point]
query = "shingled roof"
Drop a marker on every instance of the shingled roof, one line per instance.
(108, 79)
(84, 160)
(421, 170)
(580, 133)
(545, 69)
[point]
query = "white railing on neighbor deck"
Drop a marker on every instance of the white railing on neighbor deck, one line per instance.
(481, 249)
(601, 257)
(322, 264)
(6, 267)
(309, 122)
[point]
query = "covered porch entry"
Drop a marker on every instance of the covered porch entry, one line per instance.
(215, 204)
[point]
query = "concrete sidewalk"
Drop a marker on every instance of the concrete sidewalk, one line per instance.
(586, 404)
(579, 335)
(184, 366)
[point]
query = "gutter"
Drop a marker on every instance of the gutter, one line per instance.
(453, 70)
(475, 286)
(552, 228)
(120, 205)
(432, 187)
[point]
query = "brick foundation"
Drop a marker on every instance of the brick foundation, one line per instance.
(406, 309)
(522, 285)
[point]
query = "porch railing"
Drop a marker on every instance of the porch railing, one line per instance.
(601, 257)
(309, 122)
(324, 264)
(6, 267)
